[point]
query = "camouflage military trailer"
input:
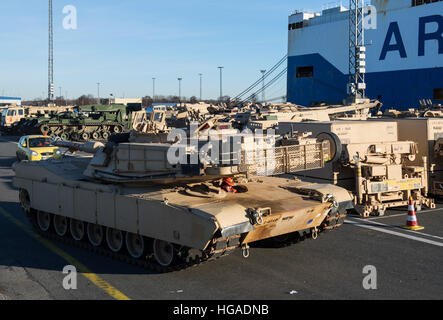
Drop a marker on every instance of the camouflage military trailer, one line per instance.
(130, 202)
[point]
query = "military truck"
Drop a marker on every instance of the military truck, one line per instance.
(13, 117)
(131, 202)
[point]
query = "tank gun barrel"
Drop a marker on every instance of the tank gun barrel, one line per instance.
(91, 147)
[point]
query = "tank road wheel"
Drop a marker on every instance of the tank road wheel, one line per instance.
(114, 238)
(43, 220)
(45, 129)
(135, 245)
(95, 234)
(77, 229)
(95, 135)
(163, 252)
(64, 136)
(105, 135)
(84, 136)
(25, 201)
(75, 136)
(60, 225)
(118, 129)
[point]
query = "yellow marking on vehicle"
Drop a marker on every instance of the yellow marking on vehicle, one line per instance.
(94, 278)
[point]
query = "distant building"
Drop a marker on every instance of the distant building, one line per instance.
(6, 101)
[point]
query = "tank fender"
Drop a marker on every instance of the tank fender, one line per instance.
(341, 196)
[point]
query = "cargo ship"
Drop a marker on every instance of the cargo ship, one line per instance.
(404, 53)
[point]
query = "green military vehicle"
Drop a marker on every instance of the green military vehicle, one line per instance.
(94, 122)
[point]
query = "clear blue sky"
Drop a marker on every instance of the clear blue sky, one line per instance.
(123, 44)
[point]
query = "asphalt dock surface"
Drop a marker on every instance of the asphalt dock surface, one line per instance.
(402, 264)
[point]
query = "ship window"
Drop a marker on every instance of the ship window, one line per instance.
(438, 94)
(294, 26)
(305, 72)
(420, 2)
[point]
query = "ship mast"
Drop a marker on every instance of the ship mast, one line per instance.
(50, 57)
(357, 51)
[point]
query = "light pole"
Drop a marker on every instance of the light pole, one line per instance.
(221, 82)
(263, 86)
(179, 89)
(60, 89)
(153, 89)
(98, 92)
(201, 82)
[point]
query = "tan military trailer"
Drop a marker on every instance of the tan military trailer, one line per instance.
(129, 201)
(373, 163)
(428, 133)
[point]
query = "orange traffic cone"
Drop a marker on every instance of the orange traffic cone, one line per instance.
(411, 223)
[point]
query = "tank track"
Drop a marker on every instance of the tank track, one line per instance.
(148, 263)
(219, 248)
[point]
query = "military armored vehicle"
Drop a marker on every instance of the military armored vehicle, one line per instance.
(85, 123)
(13, 117)
(131, 202)
(273, 115)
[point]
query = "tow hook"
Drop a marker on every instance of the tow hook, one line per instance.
(245, 251)
(314, 233)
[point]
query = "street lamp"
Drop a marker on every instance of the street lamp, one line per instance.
(179, 89)
(221, 82)
(153, 89)
(263, 86)
(98, 92)
(201, 81)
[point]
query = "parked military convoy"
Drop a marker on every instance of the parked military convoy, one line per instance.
(326, 162)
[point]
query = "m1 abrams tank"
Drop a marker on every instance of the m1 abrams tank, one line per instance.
(130, 202)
